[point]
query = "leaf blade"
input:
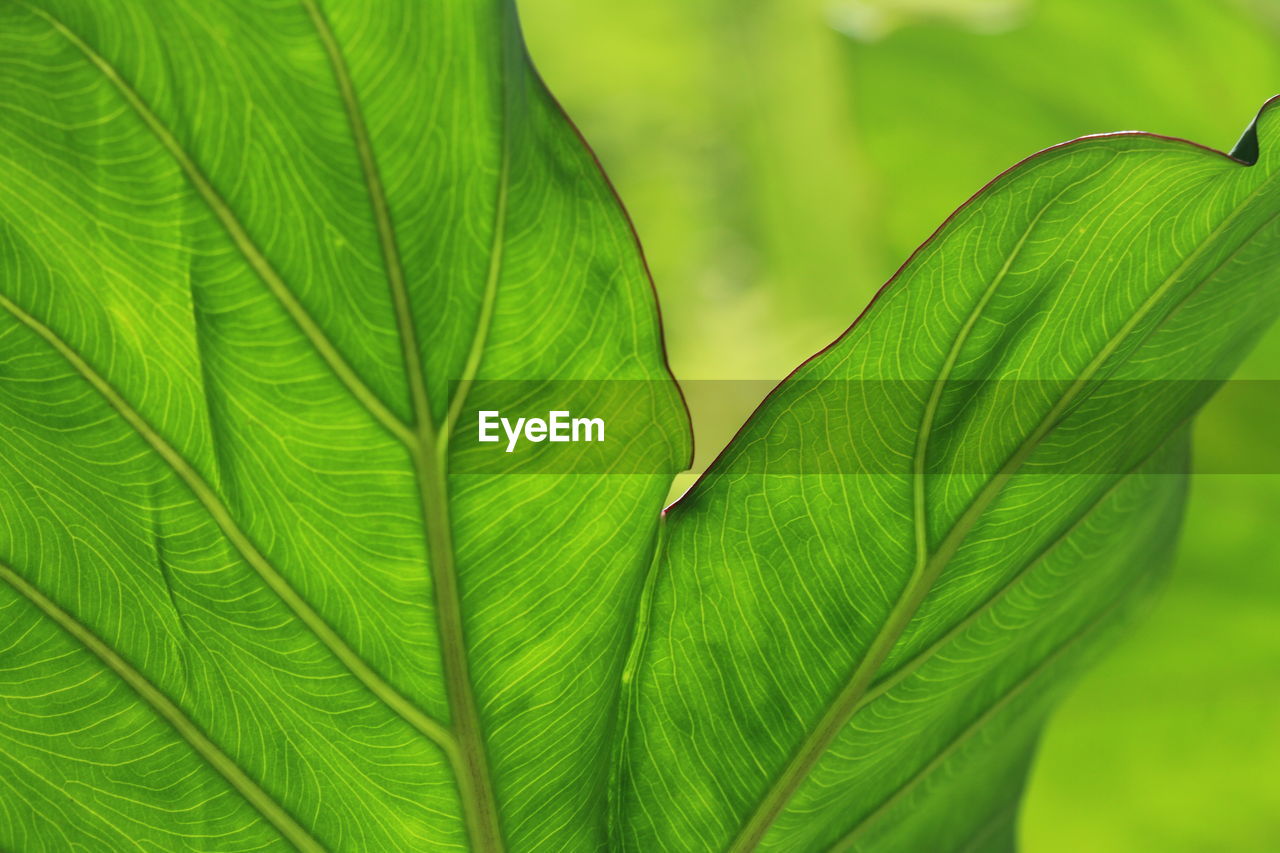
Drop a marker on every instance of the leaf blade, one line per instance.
(253, 323)
(1141, 233)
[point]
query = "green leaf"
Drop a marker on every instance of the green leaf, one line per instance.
(864, 610)
(260, 264)
(253, 258)
(1061, 69)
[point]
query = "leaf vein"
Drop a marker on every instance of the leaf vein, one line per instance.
(167, 709)
(222, 517)
(921, 581)
(468, 757)
(236, 230)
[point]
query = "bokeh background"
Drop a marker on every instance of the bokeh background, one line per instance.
(782, 157)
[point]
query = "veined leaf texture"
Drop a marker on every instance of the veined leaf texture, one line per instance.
(258, 262)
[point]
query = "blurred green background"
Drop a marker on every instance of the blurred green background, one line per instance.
(782, 157)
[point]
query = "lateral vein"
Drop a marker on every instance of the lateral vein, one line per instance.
(497, 247)
(222, 517)
(167, 709)
(235, 229)
(887, 683)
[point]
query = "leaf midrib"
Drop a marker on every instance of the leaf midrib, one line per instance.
(920, 583)
(954, 745)
(903, 672)
(428, 452)
(466, 753)
(463, 743)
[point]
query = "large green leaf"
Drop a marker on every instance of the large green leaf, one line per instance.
(260, 263)
(1061, 69)
(245, 248)
(864, 610)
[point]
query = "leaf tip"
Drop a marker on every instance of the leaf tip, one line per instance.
(1247, 149)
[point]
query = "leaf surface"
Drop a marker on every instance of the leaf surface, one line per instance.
(866, 607)
(260, 264)
(254, 257)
